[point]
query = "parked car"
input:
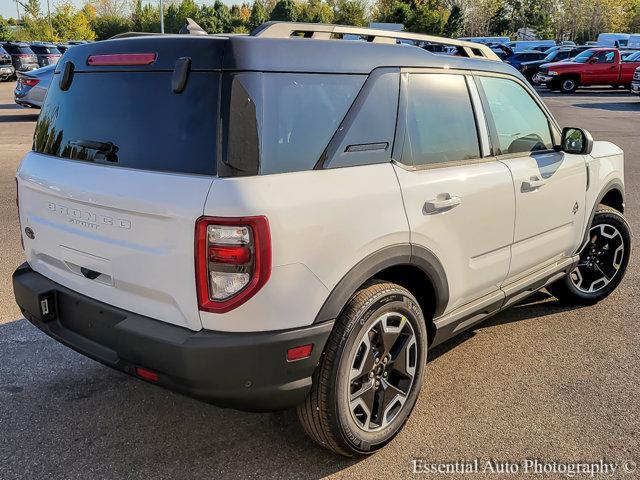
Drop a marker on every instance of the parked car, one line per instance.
(634, 41)
(635, 83)
(47, 53)
(522, 45)
(31, 87)
(7, 70)
(342, 223)
(613, 40)
(530, 69)
(596, 66)
(518, 58)
(22, 57)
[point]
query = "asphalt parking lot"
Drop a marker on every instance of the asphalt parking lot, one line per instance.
(537, 382)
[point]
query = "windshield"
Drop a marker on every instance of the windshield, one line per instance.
(583, 57)
(634, 57)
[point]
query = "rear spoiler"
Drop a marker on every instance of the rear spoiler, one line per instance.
(189, 28)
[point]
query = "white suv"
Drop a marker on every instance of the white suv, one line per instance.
(266, 222)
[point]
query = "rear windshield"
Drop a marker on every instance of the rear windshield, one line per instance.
(45, 50)
(15, 50)
(134, 120)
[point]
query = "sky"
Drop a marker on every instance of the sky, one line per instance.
(8, 7)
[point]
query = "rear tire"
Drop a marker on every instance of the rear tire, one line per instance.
(371, 372)
(603, 261)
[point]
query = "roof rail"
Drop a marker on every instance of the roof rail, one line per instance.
(323, 31)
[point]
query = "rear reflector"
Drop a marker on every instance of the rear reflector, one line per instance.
(146, 374)
(299, 353)
(120, 59)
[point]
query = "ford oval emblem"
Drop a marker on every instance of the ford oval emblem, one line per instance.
(29, 233)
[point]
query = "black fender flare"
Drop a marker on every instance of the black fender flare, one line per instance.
(368, 267)
(614, 184)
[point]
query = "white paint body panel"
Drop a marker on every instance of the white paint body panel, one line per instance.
(322, 222)
(550, 219)
(473, 239)
(134, 227)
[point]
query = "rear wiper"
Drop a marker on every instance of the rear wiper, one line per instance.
(109, 149)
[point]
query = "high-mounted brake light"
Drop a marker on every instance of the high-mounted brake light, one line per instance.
(121, 59)
(233, 260)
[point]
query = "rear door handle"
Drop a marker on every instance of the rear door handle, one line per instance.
(442, 202)
(532, 185)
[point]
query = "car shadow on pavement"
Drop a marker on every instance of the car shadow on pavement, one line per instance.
(611, 106)
(19, 118)
(63, 416)
(10, 106)
(538, 305)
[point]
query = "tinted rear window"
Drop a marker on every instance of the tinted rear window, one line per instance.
(152, 127)
(15, 50)
(45, 50)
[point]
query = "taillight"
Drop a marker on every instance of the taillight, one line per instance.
(233, 260)
(29, 82)
(121, 59)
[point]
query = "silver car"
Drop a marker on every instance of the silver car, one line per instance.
(31, 88)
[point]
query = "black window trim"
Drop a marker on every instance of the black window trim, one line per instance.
(401, 127)
(554, 128)
(331, 150)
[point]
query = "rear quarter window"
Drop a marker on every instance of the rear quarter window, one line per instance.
(282, 122)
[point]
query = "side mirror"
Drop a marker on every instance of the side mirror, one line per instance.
(576, 141)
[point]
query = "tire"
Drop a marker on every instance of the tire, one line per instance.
(575, 288)
(568, 85)
(334, 414)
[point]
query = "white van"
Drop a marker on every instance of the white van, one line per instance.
(614, 40)
(634, 41)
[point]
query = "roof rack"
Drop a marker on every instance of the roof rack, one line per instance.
(323, 31)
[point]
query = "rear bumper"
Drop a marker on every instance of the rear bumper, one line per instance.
(247, 371)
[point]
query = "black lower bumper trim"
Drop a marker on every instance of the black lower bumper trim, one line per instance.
(247, 371)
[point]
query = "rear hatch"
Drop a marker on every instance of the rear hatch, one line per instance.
(120, 171)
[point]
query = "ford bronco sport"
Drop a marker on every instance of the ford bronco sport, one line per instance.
(290, 219)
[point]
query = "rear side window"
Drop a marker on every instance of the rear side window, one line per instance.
(520, 124)
(291, 117)
(150, 127)
(45, 50)
(440, 123)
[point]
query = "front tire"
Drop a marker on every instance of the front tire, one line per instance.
(371, 372)
(603, 261)
(568, 85)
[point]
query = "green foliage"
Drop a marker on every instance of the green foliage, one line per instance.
(259, 15)
(176, 15)
(223, 16)
(5, 32)
(71, 24)
(285, 10)
(145, 18)
(350, 12)
(315, 11)
(106, 26)
(455, 23)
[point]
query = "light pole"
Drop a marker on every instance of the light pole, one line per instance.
(50, 24)
(18, 8)
(161, 17)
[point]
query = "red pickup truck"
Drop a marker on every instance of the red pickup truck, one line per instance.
(596, 66)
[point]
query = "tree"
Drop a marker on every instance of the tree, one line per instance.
(177, 14)
(145, 18)
(455, 23)
(223, 15)
(316, 11)
(285, 10)
(106, 26)
(350, 12)
(258, 15)
(71, 24)
(5, 31)
(208, 19)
